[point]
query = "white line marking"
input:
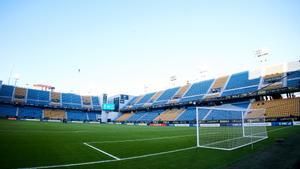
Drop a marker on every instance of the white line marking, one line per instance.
(123, 159)
(228, 149)
(278, 129)
(160, 153)
(107, 161)
(95, 148)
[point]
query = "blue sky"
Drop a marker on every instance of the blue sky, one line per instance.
(121, 46)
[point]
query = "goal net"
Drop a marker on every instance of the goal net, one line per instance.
(229, 128)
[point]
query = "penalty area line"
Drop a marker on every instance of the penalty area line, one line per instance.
(97, 149)
(113, 160)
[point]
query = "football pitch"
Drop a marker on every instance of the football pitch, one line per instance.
(26, 144)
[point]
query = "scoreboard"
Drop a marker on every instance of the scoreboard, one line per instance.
(108, 107)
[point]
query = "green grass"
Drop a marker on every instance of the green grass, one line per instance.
(32, 144)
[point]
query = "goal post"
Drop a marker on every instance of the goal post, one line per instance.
(229, 128)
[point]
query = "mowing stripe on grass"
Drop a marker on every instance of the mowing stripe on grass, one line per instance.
(143, 139)
(147, 139)
(106, 153)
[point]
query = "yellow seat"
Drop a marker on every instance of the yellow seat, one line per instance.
(169, 115)
(279, 108)
(54, 114)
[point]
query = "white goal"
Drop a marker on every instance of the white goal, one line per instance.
(229, 128)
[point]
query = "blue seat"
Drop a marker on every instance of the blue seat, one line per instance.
(241, 79)
(247, 90)
(199, 88)
(190, 114)
(93, 116)
(7, 111)
(145, 98)
(70, 100)
(295, 83)
(168, 94)
(6, 93)
(136, 116)
(293, 74)
(30, 112)
(74, 115)
(38, 97)
(96, 103)
(150, 116)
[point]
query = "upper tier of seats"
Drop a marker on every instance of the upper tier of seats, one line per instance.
(6, 93)
(235, 84)
(240, 83)
(20, 93)
(55, 97)
(166, 95)
(145, 98)
(10, 94)
(71, 100)
(240, 80)
(7, 111)
(199, 88)
(38, 97)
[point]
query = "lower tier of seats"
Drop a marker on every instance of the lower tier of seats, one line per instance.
(24, 112)
(235, 111)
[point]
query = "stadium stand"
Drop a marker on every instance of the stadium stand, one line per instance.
(136, 116)
(190, 114)
(30, 112)
(86, 100)
(8, 111)
(55, 97)
(169, 115)
(197, 91)
(6, 93)
(75, 115)
(132, 101)
(167, 95)
(273, 78)
(70, 100)
(150, 116)
(20, 94)
(206, 114)
(240, 83)
(38, 97)
(217, 87)
(279, 107)
(227, 91)
(96, 103)
(54, 114)
(93, 116)
(138, 98)
(155, 96)
(181, 91)
(124, 117)
(293, 79)
(144, 99)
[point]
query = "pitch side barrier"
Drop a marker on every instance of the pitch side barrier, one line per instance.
(290, 123)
